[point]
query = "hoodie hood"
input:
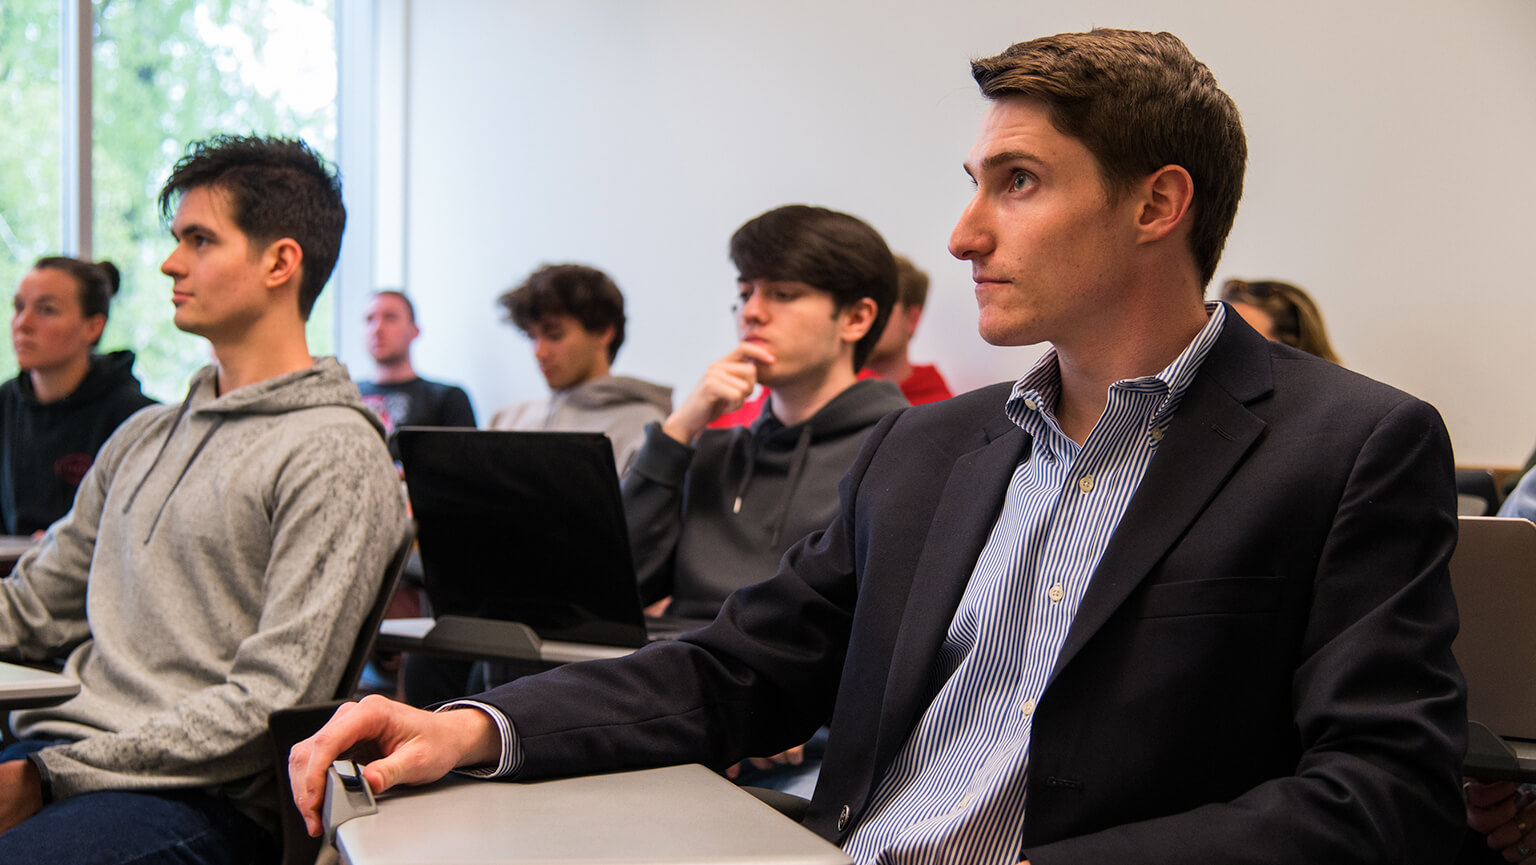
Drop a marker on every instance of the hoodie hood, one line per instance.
(615, 390)
(325, 384)
(856, 408)
(108, 373)
(706, 520)
(788, 449)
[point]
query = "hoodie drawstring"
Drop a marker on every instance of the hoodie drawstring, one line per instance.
(175, 422)
(796, 469)
(180, 413)
(740, 442)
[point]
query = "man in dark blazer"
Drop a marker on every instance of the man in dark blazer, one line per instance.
(1177, 595)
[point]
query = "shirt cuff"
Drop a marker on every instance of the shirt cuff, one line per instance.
(511, 750)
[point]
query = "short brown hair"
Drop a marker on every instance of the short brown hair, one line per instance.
(1138, 101)
(911, 284)
(584, 293)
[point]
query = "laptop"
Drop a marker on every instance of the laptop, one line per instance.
(525, 527)
(1493, 573)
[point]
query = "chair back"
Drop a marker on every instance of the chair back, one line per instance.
(287, 727)
(1476, 493)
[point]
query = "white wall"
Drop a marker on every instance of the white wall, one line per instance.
(1391, 169)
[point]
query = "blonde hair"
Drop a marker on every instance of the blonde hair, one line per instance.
(1298, 323)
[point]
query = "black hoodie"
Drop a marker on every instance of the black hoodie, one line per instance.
(706, 521)
(45, 449)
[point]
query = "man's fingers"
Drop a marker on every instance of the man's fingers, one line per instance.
(309, 759)
(1482, 794)
(752, 351)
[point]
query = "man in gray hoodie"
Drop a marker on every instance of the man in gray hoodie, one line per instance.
(220, 554)
(575, 316)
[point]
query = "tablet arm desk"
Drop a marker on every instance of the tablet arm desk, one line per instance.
(649, 817)
(479, 639)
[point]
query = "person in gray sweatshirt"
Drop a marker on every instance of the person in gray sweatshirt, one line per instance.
(574, 315)
(220, 555)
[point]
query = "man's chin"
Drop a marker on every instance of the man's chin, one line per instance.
(185, 324)
(1005, 337)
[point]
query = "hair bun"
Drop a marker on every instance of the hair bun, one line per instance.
(114, 278)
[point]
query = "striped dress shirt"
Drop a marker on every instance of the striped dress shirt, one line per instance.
(956, 790)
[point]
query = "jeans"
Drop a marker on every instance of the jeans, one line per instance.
(116, 827)
(799, 780)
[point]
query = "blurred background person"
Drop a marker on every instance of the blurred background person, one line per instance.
(66, 400)
(920, 383)
(1280, 312)
(574, 316)
(396, 393)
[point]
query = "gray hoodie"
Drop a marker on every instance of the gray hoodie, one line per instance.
(233, 544)
(614, 404)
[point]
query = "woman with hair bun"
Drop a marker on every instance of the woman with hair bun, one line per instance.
(67, 399)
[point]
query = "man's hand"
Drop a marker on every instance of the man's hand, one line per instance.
(1493, 810)
(793, 757)
(412, 747)
(21, 793)
(725, 386)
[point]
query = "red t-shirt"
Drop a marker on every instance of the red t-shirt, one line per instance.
(924, 385)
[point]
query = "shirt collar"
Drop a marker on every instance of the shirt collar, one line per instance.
(1041, 386)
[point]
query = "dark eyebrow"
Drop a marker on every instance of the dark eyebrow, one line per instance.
(1004, 157)
(191, 228)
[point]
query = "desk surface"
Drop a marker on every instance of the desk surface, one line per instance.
(12, 548)
(25, 688)
(670, 815)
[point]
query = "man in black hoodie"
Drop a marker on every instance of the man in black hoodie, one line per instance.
(711, 510)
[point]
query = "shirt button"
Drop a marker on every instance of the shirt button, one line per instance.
(1056, 594)
(1157, 434)
(1031, 405)
(1028, 708)
(842, 819)
(1085, 483)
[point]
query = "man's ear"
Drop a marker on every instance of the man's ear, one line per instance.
(855, 319)
(282, 262)
(914, 315)
(605, 336)
(1167, 195)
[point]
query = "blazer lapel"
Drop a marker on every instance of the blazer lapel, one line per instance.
(1209, 435)
(963, 518)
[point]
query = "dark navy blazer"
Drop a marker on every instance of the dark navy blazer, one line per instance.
(1260, 670)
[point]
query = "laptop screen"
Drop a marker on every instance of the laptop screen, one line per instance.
(524, 526)
(1493, 573)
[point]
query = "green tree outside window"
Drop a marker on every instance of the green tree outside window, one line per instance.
(166, 72)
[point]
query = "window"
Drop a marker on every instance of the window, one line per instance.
(164, 72)
(30, 140)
